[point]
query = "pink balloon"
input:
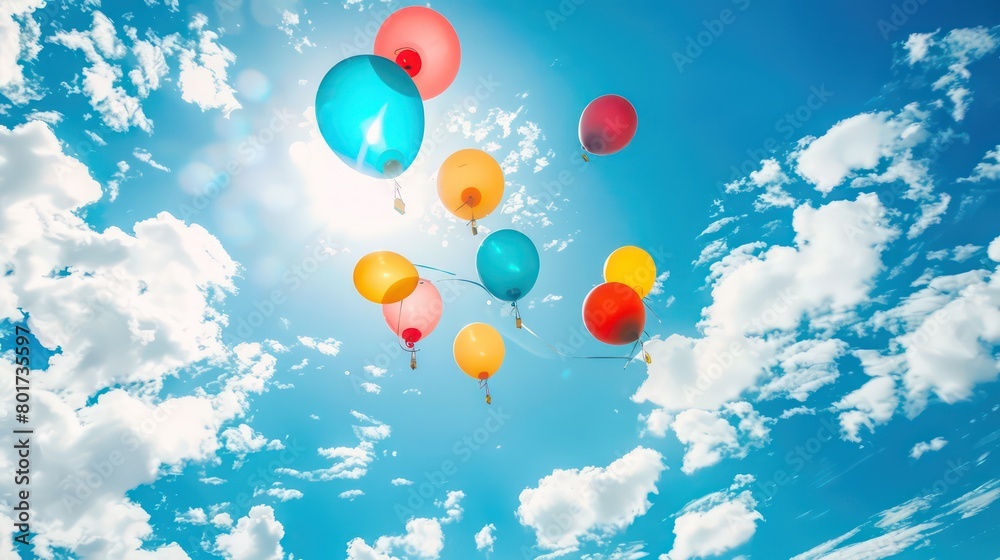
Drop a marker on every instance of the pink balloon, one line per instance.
(417, 315)
(607, 125)
(424, 44)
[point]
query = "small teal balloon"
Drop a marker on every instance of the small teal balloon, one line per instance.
(370, 113)
(507, 262)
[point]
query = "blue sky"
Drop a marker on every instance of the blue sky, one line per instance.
(817, 184)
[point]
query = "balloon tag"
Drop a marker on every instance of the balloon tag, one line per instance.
(489, 399)
(649, 359)
(585, 158)
(399, 206)
(517, 321)
(413, 361)
(475, 228)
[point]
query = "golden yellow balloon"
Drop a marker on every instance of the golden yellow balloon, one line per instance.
(479, 350)
(385, 277)
(470, 184)
(633, 267)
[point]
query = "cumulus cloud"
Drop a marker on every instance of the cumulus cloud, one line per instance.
(574, 505)
(255, 537)
(716, 523)
(952, 53)
(759, 299)
(329, 346)
(486, 537)
(709, 437)
(857, 143)
(423, 539)
(986, 170)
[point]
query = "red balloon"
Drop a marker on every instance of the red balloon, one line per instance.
(423, 43)
(409, 60)
(607, 125)
(613, 313)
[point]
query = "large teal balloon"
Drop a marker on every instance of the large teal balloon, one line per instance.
(371, 115)
(507, 262)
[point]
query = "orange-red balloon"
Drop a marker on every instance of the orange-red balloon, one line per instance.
(613, 313)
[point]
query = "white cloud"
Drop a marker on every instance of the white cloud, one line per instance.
(897, 516)
(144, 156)
(50, 117)
(993, 251)
(711, 252)
(719, 224)
(194, 516)
(118, 110)
(954, 52)
(255, 537)
(715, 524)
(930, 214)
(221, 520)
(883, 546)
(709, 437)
(758, 299)
(949, 328)
(857, 143)
(574, 505)
(485, 538)
(798, 410)
(917, 45)
(243, 440)
(203, 71)
(986, 170)
(351, 462)
(424, 537)
(330, 346)
(401, 482)
(350, 494)
(872, 404)
(19, 44)
(975, 502)
(808, 365)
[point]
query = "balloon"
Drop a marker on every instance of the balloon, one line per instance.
(385, 277)
(424, 44)
(507, 262)
(607, 125)
(613, 313)
(370, 114)
(479, 350)
(633, 267)
(470, 184)
(413, 318)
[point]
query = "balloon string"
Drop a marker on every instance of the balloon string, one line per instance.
(651, 310)
(484, 384)
(432, 268)
(627, 359)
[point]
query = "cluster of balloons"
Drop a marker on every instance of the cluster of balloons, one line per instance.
(614, 312)
(370, 111)
(508, 266)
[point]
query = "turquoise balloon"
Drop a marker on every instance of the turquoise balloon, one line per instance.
(507, 262)
(370, 113)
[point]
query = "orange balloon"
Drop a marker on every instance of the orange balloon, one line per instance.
(470, 183)
(479, 350)
(385, 277)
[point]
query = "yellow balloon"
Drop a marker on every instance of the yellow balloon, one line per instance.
(479, 350)
(633, 267)
(385, 277)
(470, 184)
